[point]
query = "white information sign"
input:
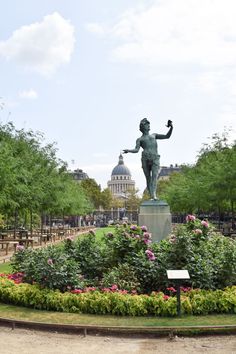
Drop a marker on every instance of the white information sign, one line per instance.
(178, 274)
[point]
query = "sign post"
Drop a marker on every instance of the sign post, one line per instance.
(177, 276)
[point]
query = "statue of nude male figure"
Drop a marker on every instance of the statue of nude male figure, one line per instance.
(150, 157)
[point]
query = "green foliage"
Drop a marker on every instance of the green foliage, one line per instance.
(200, 302)
(90, 256)
(106, 199)
(33, 178)
(210, 184)
(209, 257)
(132, 201)
(124, 276)
(147, 272)
(124, 243)
(48, 267)
(127, 258)
(96, 196)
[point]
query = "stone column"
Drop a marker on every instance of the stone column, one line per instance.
(155, 214)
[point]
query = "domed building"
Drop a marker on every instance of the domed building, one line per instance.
(121, 181)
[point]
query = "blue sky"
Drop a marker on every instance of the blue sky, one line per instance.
(86, 72)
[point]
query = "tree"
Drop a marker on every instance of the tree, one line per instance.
(32, 178)
(209, 185)
(106, 199)
(133, 200)
(92, 191)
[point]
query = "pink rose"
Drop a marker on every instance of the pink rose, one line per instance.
(147, 242)
(133, 227)
(190, 218)
(147, 235)
(150, 255)
(114, 287)
(197, 232)
(204, 223)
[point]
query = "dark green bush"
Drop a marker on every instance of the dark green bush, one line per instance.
(50, 267)
(91, 257)
(123, 276)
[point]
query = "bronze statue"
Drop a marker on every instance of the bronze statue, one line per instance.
(150, 157)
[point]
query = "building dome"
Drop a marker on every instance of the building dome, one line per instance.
(121, 181)
(121, 169)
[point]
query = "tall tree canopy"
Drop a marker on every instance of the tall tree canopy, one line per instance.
(96, 196)
(33, 178)
(209, 185)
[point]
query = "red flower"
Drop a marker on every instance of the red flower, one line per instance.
(171, 289)
(76, 291)
(114, 287)
(166, 297)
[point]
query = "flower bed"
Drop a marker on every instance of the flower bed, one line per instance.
(129, 259)
(117, 302)
(125, 273)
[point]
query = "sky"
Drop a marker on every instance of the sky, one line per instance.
(84, 73)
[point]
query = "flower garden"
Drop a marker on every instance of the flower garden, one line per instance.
(124, 273)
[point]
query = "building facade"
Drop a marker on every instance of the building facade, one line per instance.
(165, 172)
(121, 181)
(79, 175)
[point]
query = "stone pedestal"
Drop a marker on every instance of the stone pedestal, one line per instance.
(155, 214)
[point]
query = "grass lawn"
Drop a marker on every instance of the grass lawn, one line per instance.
(101, 232)
(26, 314)
(5, 268)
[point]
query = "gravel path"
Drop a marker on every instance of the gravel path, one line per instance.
(21, 341)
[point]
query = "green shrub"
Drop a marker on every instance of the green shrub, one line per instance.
(209, 258)
(49, 267)
(91, 257)
(200, 302)
(125, 243)
(124, 276)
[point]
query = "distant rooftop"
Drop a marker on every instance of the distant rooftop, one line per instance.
(79, 175)
(166, 171)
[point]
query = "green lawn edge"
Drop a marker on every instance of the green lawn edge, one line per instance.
(31, 315)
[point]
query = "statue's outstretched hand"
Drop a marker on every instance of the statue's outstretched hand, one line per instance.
(125, 151)
(169, 124)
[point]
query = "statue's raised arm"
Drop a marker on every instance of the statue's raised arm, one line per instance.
(135, 150)
(166, 136)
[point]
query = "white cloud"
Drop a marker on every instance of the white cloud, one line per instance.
(192, 42)
(29, 94)
(100, 154)
(41, 46)
(98, 168)
(95, 28)
(210, 81)
(200, 32)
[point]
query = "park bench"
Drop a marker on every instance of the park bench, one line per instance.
(44, 238)
(25, 241)
(8, 243)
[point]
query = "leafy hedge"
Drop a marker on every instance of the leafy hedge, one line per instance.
(114, 302)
